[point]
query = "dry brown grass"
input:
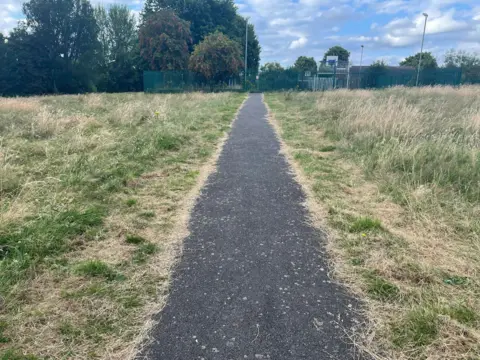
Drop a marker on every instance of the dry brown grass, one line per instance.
(141, 160)
(410, 159)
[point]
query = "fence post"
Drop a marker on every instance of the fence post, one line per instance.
(335, 76)
(348, 75)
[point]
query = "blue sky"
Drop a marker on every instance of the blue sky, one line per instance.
(389, 29)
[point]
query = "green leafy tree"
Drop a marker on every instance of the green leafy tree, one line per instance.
(378, 66)
(271, 66)
(101, 17)
(428, 61)
(468, 62)
(118, 38)
(304, 63)
(206, 17)
(343, 54)
(26, 68)
(216, 58)
(165, 41)
(373, 72)
(67, 35)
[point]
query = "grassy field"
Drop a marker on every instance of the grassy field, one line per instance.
(91, 189)
(396, 175)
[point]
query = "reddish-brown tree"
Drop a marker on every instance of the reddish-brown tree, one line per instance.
(217, 57)
(165, 41)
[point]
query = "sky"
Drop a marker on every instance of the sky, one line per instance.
(390, 29)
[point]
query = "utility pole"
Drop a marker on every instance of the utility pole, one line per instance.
(246, 48)
(421, 49)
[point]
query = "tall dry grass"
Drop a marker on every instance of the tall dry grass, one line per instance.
(398, 174)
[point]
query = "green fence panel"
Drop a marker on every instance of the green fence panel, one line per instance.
(291, 79)
(179, 81)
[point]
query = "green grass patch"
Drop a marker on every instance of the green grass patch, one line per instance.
(168, 142)
(69, 332)
(134, 239)
(132, 301)
(357, 261)
(97, 268)
(462, 314)
(17, 355)
(328, 148)
(145, 250)
(29, 244)
(418, 328)
(131, 202)
(380, 288)
(3, 338)
(365, 224)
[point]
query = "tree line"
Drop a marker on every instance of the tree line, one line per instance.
(69, 46)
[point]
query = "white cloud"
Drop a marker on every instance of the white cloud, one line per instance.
(443, 23)
(392, 6)
(373, 26)
(314, 3)
(363, 38)
(337, 12)
(299, 43)
(398, 41)
(406, 31)
(335, 29)
(399, 24)
(281, 22)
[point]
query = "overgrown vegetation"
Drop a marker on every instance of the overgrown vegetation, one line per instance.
(90, 188)
(401, 194)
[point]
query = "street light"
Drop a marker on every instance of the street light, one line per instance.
(421, 49)
(361, 59)
(246, 48)
(360, 72)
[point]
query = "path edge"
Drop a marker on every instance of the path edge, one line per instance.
(176, 239)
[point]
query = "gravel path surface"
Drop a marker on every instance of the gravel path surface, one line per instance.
(252, 282)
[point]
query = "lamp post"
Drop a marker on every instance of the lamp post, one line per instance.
(360, 72)
(361, 59)
(246, 48)
(421, 49)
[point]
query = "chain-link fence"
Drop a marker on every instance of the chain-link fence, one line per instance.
(180, 81)
(377, 77)
(327, 77)
(344, 75)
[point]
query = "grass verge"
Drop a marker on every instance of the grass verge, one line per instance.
(398, 190)
(92, 188)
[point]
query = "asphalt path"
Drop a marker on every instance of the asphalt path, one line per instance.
(253, 279)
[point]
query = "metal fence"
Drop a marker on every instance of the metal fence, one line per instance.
(180, 81)
(327, 77)
(345, 76)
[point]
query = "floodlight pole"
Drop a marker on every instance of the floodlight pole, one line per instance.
(246, 48)
(421, 49)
